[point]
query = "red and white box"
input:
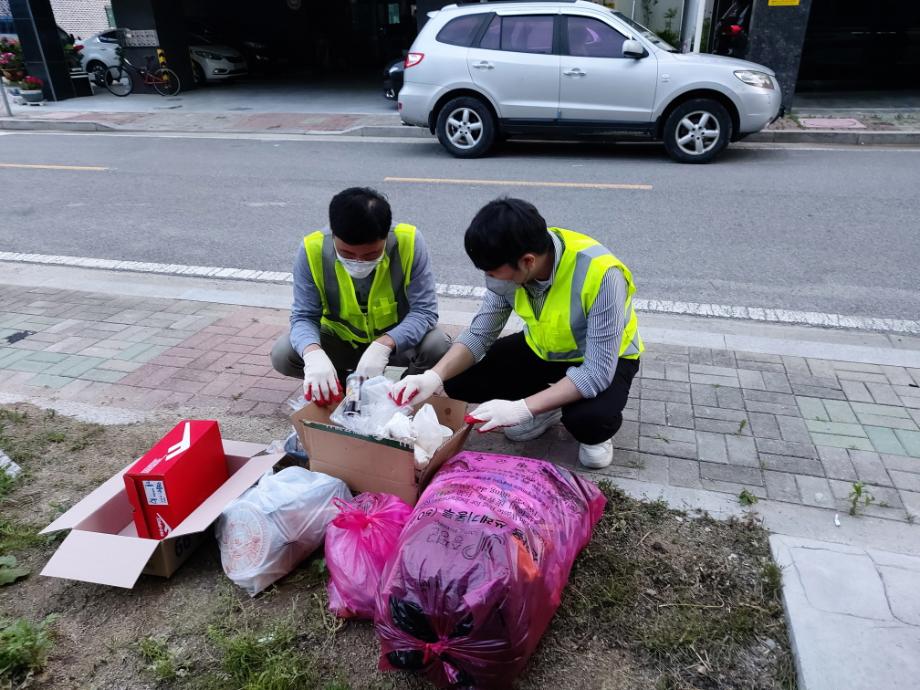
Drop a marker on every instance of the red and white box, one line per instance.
(175, 476)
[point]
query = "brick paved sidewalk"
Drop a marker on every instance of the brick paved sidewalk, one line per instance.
(786, 428)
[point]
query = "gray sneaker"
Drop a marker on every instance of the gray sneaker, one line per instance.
(535, 428)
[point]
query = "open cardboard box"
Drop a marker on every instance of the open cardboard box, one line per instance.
(366, 463)
(103, 546)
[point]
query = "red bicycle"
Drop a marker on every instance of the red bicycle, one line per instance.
(119, 80)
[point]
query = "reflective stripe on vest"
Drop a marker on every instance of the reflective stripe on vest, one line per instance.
(560, 333)
(387, 303)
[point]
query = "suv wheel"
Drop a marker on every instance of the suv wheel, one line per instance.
(466, 127)
(697, 131)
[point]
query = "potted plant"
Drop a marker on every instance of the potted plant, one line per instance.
(11, 60)
(31, 90)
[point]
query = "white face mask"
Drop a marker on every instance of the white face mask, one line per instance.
(359, 269)
(505, 288)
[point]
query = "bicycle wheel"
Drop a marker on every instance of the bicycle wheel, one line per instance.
(166, 82)
(118, 80)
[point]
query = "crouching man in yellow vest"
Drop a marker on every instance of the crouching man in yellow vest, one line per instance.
(579, 351)
(364, 297)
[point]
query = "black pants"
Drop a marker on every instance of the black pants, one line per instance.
(511, 371)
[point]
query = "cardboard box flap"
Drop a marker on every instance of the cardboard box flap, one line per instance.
(243, 448)
(239, 481)
(100, 496)
(106, 559)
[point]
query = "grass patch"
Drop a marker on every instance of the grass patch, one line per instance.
(15, 536)
(24, 647)
(697, 598)
(161, 661)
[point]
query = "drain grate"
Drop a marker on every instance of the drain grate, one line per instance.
(18, 335)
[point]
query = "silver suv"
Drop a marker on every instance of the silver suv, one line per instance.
(478, 73)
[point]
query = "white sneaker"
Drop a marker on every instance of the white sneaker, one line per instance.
(596, 456)
(535, 428)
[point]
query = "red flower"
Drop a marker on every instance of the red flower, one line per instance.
(31, 83)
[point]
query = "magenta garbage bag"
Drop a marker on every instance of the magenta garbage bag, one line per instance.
(479, 569)
(359, 542)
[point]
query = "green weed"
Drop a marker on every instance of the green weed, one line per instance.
(858, 495)
(24, 647)
(746, 498)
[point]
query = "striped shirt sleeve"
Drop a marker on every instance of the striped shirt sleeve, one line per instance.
(487, 325)
(606, 321)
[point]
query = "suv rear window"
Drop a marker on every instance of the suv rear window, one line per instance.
(520, 34)
(462, 30)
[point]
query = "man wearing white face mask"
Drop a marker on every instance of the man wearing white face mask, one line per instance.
(579, 351)
(364, 297)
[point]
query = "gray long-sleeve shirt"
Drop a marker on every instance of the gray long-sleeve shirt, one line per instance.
(307, 309)
(606, 321)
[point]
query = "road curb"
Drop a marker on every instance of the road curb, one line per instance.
(19, 124)
(779, 136)
(390, 131)
(836, 136)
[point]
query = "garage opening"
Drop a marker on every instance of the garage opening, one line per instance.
(853, 45)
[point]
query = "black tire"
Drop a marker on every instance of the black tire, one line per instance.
(198, 74)
(96, 69)
(457, 127)
(119, 81)
(689, 136)
(166, 82)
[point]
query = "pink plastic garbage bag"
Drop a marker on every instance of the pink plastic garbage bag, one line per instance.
(480, 568)
(359, 542)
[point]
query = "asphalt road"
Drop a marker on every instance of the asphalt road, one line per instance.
(829, 231)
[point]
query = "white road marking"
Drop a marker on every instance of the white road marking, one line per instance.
(722, 311)
(44, 166)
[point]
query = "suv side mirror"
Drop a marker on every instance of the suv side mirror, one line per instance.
(633, 49)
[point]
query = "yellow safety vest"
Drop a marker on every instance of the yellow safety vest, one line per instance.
(388, 302)
(559, 334)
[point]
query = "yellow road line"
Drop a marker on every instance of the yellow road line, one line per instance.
(90, 168)
(519, 183)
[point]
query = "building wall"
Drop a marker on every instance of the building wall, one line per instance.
(82, 18)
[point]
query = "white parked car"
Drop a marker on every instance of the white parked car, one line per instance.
(99, 53)
(214, 62)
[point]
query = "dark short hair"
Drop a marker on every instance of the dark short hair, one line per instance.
(503, 231)
(360, 215)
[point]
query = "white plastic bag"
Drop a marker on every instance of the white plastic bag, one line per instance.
(430, 434)
(277, 523)
(376, 409)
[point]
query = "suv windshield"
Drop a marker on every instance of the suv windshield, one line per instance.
(647, 34)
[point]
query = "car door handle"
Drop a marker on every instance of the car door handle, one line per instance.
(575, 72)
(483, 64)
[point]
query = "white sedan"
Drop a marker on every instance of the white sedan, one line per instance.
(213, 62)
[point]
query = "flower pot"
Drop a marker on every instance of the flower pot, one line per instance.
(35, 96)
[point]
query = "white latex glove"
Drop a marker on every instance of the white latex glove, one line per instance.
(499, 413)
(417, 388)
(374, 360)
(320, 383)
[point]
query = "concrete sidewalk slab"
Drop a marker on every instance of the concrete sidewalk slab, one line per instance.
(853, 614)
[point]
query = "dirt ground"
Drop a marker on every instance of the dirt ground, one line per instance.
(659, 599)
